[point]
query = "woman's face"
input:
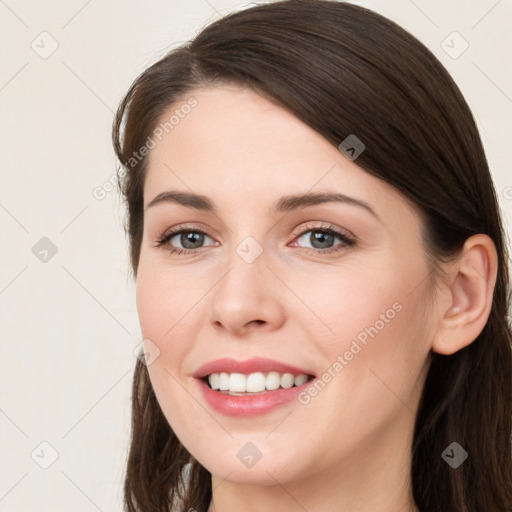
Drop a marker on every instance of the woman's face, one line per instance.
(264, 290)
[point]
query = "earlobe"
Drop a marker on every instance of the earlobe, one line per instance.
(472, 278)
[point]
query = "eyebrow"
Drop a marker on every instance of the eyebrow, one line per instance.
(283, 204)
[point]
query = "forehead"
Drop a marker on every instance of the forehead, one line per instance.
(237, 129)
(241, 149)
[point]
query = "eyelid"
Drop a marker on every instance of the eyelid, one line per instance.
(176, 230)
(320, 225)
(296, 232)
(182, 227)
(348, 239)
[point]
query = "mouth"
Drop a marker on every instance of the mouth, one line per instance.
(253, 387)
(240, 384)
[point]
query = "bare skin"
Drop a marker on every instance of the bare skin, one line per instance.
(347, 448)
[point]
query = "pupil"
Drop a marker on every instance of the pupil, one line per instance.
(323, 239)
(318, 237)
(186, 238)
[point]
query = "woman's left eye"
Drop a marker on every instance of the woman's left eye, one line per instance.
(321, 238)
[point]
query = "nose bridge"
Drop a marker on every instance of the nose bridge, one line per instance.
(247, 271)
(249, 250)
(248, 242)
(244, 294)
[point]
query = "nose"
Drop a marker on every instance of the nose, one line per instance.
(247, 297)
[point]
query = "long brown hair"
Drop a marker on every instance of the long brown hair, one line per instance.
(343, 69)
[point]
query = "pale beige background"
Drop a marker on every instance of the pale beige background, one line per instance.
(69, 326)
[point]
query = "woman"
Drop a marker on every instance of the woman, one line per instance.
(321, 274)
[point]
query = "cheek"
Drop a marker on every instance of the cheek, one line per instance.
(164, 301)
(165, 327)
(369, 305)
(384, 355)
(348, 303)
(162, 307)
(372, 333)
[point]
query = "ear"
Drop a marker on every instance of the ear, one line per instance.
(471, 282)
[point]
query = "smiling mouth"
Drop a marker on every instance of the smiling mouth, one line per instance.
(239, 384)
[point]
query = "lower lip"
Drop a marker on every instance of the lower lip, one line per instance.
(249, 405)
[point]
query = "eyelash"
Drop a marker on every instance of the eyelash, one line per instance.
(329, 229)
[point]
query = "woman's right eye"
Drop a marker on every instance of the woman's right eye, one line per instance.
(191, 239)
(186, 237)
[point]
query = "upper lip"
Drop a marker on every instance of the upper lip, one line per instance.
(257, 364)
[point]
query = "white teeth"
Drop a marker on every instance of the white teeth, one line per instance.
(287, 380)
(237, 383)
(300, 379)
(223, 381)
(255, 382)
(273, 381)
(214, 380)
